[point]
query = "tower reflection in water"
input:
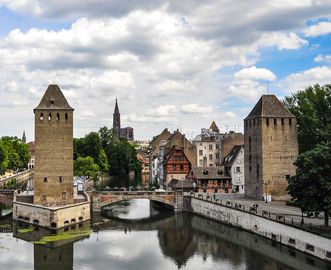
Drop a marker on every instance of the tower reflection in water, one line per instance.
(52, 251)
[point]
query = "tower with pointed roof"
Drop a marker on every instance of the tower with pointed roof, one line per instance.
(271, 148)
(53, 183)
(24, 137)
(117, 121)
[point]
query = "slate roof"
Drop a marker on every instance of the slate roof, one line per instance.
(214, 127)
(210, 173)
(269, 106)
(231, 157)
(174, 183)
(53, 99)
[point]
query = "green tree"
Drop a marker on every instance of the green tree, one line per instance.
(103, 161)
(85, 166)
(3, 158)
(311, 186)
(312, 107)
(106, 136)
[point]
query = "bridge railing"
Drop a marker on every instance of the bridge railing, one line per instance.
(135, 193)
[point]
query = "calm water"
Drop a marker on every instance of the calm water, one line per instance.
(135, 236)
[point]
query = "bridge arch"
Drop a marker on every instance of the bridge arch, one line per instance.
(105, 198)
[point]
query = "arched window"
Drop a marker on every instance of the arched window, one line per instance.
(58, 117)
(49, 117)
(41, 117)
(66, 117)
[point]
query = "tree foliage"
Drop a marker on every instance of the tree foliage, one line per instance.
(14, 154)
(312, 107)
(85, 166)
(311, 186)
(113, 155)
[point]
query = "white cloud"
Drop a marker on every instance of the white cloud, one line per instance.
(282, 41)
(162, 110)
(253, 73)
(195, 109)
(230, 115)
(319, 29)
(301, 80)
(323, 58)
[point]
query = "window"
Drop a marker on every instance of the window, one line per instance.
(49, 117)
(210, 157)
(238, 169)
(57, 117)
(51, 101)
(258, 121)
(217, 155)
(181, 167)
(41, 117)
(43, 198)
(60, 179)
(249, 144)
(288, 177)
(250, 168)
(253, 122)
(257, 171)
(282, 120)
(200, 153)
(275, 122)
(267, 121)
(201, 162)
(45, 179)
(66, 116)
(64, 195)
(210, 147)
(291, 241)
(290, 121)
(174, 167)
(200, 144)
(217, 146)
(250, 157)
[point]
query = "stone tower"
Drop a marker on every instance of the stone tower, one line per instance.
(117, 121)
(53, 183)
(271, 148)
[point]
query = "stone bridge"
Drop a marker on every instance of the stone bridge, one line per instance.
(103, 198)
(21, 177)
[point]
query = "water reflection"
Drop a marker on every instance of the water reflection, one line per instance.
(164, 241)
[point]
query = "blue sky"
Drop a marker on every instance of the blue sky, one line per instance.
(170, 64)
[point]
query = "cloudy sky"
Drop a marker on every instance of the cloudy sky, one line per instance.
(176, 64)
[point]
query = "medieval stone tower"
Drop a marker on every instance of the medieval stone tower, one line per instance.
(117, 121)
(54, 149)
(271, 148)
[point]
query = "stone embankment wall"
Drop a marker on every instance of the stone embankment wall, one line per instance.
(302, 240)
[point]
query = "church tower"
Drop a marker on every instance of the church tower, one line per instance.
(53, 149)
(117, 121)
(24, 137)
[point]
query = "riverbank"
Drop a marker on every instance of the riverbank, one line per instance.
(235, 215)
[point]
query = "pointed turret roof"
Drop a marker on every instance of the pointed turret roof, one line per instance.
(53, 99)
(116, 111)
(214, 127)
(269, 106)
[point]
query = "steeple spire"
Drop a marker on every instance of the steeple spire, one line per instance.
(24, 137)
(116, 111)
(116, 121)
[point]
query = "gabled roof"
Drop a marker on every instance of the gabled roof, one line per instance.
(53, 99)
(231, 157)
(269, 106)
(214, 127)
(207, 173)
(168, 154)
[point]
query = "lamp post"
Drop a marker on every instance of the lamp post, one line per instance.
(266, 191)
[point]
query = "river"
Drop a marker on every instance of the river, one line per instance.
(134, 235)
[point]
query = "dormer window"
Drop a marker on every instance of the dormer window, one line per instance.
(51, 101)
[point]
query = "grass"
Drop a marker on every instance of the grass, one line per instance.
(25, 230)
(63, 236)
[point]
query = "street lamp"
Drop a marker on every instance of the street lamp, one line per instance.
(266, 191)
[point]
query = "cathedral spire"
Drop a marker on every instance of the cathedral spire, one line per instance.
(117, 120)
(24, 137)
(116, 111)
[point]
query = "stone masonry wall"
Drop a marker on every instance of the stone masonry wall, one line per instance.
(304, 241)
